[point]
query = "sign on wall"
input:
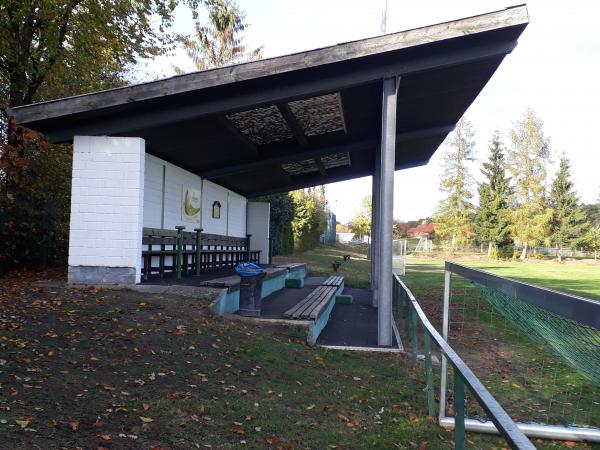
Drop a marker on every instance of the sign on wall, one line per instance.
(191, 205)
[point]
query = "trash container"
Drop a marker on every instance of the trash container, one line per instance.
(250, 288)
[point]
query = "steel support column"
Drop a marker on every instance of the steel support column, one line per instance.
(375, 221)
(386, 213)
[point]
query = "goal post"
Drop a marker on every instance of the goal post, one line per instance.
(552, 340)
(399, 256)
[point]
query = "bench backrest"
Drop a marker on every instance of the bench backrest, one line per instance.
(159, 236)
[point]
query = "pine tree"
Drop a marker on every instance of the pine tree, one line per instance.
(221, 41)
(454, 214)
(567, 217)
(492, 216)
(527, 162)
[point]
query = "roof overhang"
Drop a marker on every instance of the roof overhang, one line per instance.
(304, 119)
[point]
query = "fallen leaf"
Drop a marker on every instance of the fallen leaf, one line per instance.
(272, 440)
(74, 425)
(569, 444)
(23, 423)
(107, 387)
(104, 437)
(238, 430)
(146, 419)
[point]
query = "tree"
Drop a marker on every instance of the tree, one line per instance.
(454, 214)
(220, 42)
(361, 222)
(50, 49)
(591, 240)
(492, 216)
(56, 47)
(527, 162)
(33, 218)
(568, 219)
(280, 224)
(592, 212)
(310, 217)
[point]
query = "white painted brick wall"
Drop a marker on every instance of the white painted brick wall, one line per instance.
(213, 192)
(107, 202)
(233, 206)
(153, 180)
(258, 219)
(237, 215)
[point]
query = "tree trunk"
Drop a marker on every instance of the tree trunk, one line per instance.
(595, 255)
(524, 253)
(559, 254)
(489, 253)
(453, 245)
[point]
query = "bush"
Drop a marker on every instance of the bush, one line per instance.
(35, 185)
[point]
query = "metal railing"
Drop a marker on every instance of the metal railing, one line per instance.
(412, 315)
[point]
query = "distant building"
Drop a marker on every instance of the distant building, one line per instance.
(329, 235)
(344, 238)
(423, 230)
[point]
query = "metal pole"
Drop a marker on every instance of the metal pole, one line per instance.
(386, 189)
(429, 372)
(446, 318)
(538, 430)
(375, 221)
(459, 411)
(179, 263)
(414, 336)
(198, 249)
(248, 236)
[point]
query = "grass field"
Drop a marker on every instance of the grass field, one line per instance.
(123, 370)
(573, 277)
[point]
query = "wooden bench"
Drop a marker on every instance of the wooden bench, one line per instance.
(199, 252)
(313, 304)
(334, 280)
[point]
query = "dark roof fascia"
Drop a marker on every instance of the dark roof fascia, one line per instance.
(513, 16)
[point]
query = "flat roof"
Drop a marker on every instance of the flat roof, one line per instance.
(304, 119)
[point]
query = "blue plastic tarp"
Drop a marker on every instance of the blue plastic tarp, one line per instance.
(247, 269)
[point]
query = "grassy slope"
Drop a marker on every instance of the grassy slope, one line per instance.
(80, 368)
(77, 367)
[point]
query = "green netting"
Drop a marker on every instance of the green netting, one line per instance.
(576, 344)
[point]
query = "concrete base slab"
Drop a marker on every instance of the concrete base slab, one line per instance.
(100, 275)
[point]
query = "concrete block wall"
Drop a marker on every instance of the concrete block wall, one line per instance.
(118, 189)
(258, 220)
(106, 210)
(164, 176)
(236, 214)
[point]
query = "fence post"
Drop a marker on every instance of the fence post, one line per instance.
(446, 321)
(248, 236)
(198, 249)
(459, 411)
(415, 350)
(179, 262)
(429, 371)
(270, 250)
(406, 316)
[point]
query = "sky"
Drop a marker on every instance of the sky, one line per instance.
(555, 69)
